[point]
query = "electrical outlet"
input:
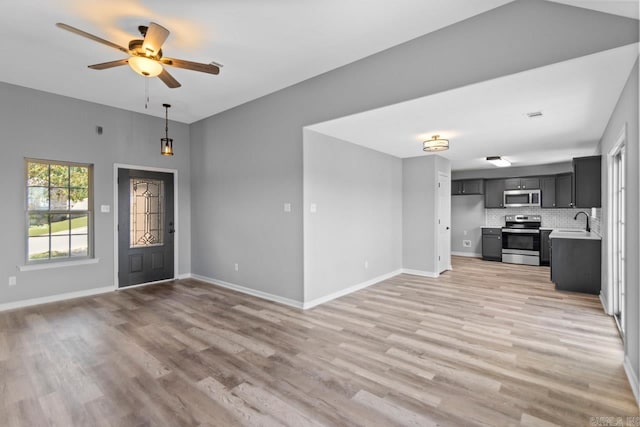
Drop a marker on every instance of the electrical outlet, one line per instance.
(287, 207)
(466, 243)
(12, 281)
(236, 267)
(464, 233)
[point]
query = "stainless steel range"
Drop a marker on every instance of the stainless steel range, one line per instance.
(521, 239)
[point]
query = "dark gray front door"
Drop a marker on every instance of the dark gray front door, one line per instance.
(145, 226)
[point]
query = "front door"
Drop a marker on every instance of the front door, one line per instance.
(145, 227)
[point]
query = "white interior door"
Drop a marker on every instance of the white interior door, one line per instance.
(444, 222)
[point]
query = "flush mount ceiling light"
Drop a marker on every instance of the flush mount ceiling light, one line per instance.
(166, 143)
(498, 161)
(435, 144)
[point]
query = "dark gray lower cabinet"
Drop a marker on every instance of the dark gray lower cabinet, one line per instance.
(575, 265)
(492, 244)
(545, 250)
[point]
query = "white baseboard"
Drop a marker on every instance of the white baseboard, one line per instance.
(55, 298)
(248, 291)
(350, 289)
(184, 276)
(420, 273)
(605, 305)
(467, 254)
(632, 377)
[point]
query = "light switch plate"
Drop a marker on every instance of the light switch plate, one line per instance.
(593, 213)
(287, 207)
(105, 208)
(313, 208)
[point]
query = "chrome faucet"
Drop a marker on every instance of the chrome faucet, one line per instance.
(588, 228)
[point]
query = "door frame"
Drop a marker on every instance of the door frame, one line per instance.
(617, 146)
(174, 172)
(439, 190)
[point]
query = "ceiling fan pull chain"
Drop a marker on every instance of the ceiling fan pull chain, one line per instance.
(146, 93)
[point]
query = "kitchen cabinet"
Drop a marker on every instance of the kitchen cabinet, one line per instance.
(492, 244)
(494, 193)
(587, 173)
(575, 265)
(529, 183)
(467, 187)
(548, 192)
(564, 190)
(545, 250)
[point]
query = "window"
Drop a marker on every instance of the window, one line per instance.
(59, 211)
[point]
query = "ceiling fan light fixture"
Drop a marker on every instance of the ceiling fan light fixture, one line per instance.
(498, 161)
(144, 66)
(435, 144)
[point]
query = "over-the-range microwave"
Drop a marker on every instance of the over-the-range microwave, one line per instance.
(521, 198)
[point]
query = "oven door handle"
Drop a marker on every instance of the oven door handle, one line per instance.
(520, 231)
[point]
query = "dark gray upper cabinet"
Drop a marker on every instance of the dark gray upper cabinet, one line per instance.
(548, 191)
(587, 180)
(564, 190)
(494, 193)
(529, 183)
(512, 184)
(467, 187)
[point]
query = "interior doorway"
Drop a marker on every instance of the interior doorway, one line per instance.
(145, 226)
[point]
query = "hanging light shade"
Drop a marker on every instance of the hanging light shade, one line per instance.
(435, 144)
(166, 143)
(144, 66)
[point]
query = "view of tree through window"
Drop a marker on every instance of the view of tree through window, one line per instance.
(59, 212)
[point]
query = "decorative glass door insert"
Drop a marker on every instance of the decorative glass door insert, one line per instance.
(147, 212)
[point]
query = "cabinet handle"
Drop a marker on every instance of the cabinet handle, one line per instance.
(498, 238)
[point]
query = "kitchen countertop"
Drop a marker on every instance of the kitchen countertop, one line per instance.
(574, 233)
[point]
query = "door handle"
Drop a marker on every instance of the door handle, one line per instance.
(171, 229)
(447, 228)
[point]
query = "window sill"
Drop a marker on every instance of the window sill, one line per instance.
(61, 264)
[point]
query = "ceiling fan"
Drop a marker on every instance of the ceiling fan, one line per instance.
(145, 55)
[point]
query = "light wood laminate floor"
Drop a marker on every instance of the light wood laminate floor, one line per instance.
(485, 344)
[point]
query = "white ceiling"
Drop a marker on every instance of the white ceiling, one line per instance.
(628, 8)
(576, 98)
(263, 45)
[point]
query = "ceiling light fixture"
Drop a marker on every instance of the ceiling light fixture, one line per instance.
(498, 161)
(435, 144)
(166, 143)
(144, 66)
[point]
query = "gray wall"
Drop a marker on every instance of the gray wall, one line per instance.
(420, 212)
(248, 160)
(550, 169)
(626, 112)
(467, 215)
(358, 194)
(41, 125)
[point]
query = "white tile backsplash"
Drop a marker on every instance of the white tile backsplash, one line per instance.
(551, 218)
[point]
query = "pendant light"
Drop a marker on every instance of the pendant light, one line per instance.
(166, 143)
(435, 144)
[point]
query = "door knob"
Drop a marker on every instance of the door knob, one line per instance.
(447, 228)
(171, 229)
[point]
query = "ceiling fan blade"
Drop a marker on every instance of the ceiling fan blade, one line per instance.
(91, 36)
(109, 64)
(189, 65)
(154, 38)
(168, 79)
